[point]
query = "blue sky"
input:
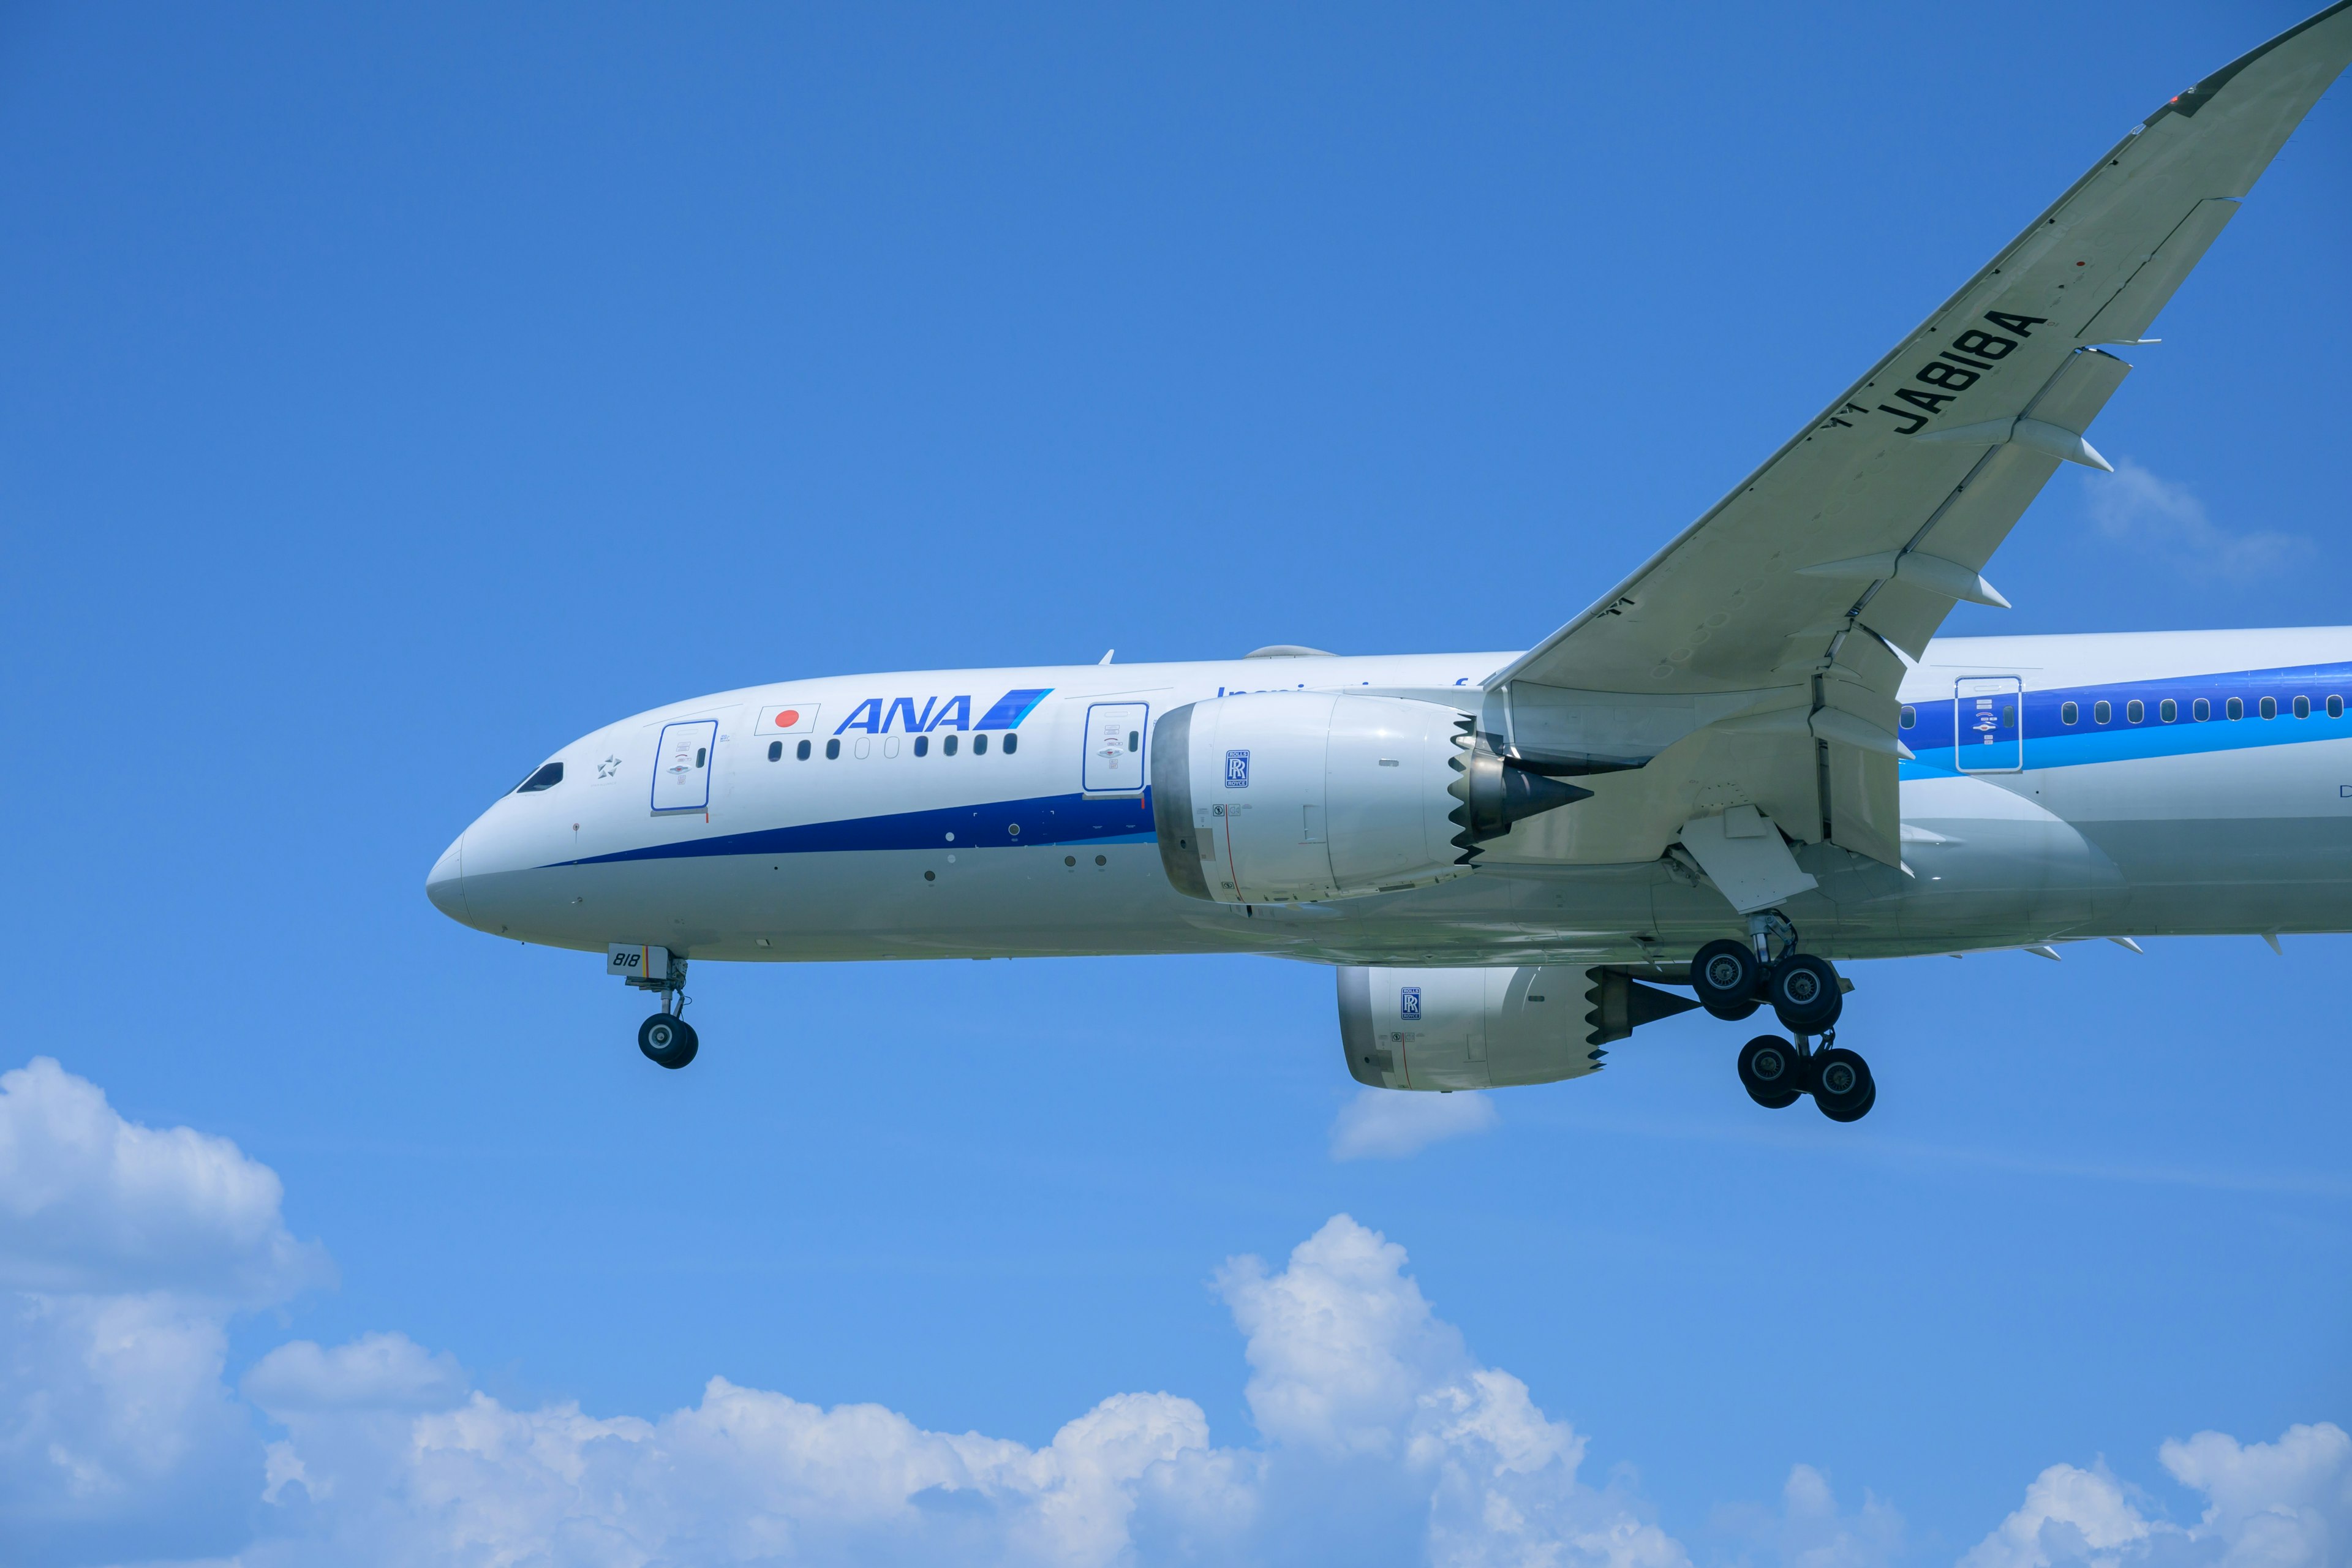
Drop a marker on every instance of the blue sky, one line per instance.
(397, 392)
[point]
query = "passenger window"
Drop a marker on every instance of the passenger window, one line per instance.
(2200, 711)
(2134, 711)
(980, 745)
(2235, 707)
(1012, 744)
(1135, 738)
(2303, 707)
(801, 751)
(2336, 707)
(547, 777)
(2168, 709)
(2008, 716)
(948, 745)
(833, 748)
(2068, 712)
(2102, 711)
(775, 751)
(701, 754)
(2269, 707)
(922, 745)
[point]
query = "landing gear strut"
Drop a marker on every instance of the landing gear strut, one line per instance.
(1734, 978)
(666, 1039)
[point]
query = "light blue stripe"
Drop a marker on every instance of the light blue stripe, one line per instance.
(2128, 742)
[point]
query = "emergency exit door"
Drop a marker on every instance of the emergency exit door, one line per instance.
(1117, 733)
(1989, 724)
(682, 765)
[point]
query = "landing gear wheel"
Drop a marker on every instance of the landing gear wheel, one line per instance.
(1805, 994)
(1772, 1071)
(1843, 1086)
(668, 1040)
(1727, 978)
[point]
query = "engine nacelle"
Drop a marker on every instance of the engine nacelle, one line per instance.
(1489, 1028)
(1277, 797)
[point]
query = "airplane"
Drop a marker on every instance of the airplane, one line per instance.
(1750, 760)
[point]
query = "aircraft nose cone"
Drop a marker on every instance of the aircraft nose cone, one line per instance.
(446, 883)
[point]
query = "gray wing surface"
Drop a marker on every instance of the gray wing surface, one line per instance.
(1772, 622)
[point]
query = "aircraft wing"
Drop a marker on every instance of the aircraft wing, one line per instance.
(1776, 617)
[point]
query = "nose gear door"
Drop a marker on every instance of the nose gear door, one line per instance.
(1989, 724)
(682, 765)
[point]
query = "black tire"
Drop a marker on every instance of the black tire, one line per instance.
(668, 1040)
(1771, 1071)
(1805, 994)
(1843, 1086)
(1727, 978)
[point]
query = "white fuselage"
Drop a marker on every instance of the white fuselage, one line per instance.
(884, 842)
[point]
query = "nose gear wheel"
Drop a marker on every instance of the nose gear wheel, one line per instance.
(668, 1040)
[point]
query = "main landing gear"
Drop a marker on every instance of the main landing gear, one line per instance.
(1733, 979)
(1777, 1071)
(666, 1039)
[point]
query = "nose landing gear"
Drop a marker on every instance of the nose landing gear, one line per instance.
(666, 1039)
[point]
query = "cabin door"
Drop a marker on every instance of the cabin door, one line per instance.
(1989, 724)
(1117, 733)
(682, 765)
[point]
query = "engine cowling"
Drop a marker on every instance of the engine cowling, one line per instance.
(1489, 1028)
(1279, 797)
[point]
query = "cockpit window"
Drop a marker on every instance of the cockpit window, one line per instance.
(547, 777)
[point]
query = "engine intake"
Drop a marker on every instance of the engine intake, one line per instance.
(1293, 797)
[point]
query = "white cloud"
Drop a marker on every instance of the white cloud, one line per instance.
(2069, 1515)
(1811, 1531)
(1389, 1124)
(2286, 1504)
(2282, 1504)
(2164, 518)
(1378, 1433)
(745, 1475)
(375, 1372)
(1347, 1360)
(89, 1202)
(1370, 1407)
(116, 1435)
(124, 1250)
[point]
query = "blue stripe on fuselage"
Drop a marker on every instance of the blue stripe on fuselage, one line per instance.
(2051, 742)
(1037, 821)
(1011, 708)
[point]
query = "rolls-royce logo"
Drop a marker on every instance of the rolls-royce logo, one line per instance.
(1408, 1004)
(1237, 770)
